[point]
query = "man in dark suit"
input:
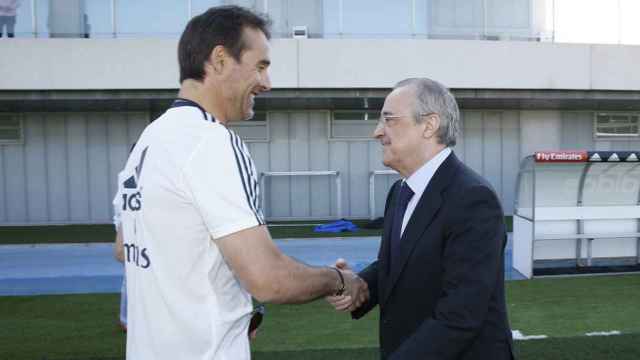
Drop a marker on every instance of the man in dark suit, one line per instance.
(439, 278)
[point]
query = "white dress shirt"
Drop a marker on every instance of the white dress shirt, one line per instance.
(419, 180)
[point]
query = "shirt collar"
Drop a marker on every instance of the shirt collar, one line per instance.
(419, 180)
(179, 102)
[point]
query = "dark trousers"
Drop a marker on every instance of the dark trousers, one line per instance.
(10, 23)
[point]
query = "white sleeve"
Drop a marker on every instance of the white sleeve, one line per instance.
(223, 188)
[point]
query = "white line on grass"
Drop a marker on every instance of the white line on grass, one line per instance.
(603, 333)
(517, 335)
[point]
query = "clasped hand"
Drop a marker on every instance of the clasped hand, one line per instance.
(356, 290)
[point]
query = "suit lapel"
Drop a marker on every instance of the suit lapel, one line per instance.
(422, 216)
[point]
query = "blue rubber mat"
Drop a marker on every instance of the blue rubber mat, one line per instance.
(91, 268)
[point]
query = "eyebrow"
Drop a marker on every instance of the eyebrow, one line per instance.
(387, 112)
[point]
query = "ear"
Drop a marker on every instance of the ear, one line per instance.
(432, 124)
(217, 60)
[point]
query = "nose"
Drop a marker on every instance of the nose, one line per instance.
(265, 81)
(379, 130)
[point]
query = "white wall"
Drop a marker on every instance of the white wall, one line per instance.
(541, 130)
(65, 169)
(79, 64)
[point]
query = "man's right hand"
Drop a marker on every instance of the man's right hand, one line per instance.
(356, 290)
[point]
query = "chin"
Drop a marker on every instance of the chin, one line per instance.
(248, 115)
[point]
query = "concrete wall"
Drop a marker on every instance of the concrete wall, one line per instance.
(83, 64)
(66, 167)
(541, 131)
(65, 170)
(299, 141)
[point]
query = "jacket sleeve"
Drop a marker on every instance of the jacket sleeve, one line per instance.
(474, 241)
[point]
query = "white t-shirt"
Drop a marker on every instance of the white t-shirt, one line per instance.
(189, 179)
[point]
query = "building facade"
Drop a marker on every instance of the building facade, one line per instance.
(71, 108)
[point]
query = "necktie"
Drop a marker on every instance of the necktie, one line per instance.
(404, 196)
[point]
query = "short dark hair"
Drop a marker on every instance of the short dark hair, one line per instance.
(221, 25)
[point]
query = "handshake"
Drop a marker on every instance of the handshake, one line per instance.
(356, 291)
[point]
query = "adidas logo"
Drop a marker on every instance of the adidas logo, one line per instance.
(595, 157)
(131, 183)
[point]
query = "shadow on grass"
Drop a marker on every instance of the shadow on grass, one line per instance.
(622, 347)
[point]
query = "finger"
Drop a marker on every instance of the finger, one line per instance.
(354, 306)
(333, 300)
(336, 300)
(364, 295)
(342, 264)
(343, 304)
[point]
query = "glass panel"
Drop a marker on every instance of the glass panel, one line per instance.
(422, 17)
(557, 184)
(352, 129)
(456, 19)
(23, 23)
(508, 18)
(63, 19)
(9, 134)
(362, 115)
(617, 124)
(374, 18)
(331, 12)
(42, 18)
(251, 4)
(200, 6)
(278, 13)
(9, 121)
(99, 18)
(603, 119)
(525, 194)
(612, 184)
(622, 119)
(133, 18)
(348, 115)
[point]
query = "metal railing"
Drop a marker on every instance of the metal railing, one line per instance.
(335, 173)
(372, 189)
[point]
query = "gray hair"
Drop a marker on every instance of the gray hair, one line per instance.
(433, 97)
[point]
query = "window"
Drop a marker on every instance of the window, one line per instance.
(353, 124)
(254, 130)
(616, 124)
(10, 129)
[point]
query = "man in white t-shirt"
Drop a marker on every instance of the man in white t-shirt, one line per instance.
(196, 246)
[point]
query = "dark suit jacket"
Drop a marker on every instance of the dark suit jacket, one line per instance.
(443, 295)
